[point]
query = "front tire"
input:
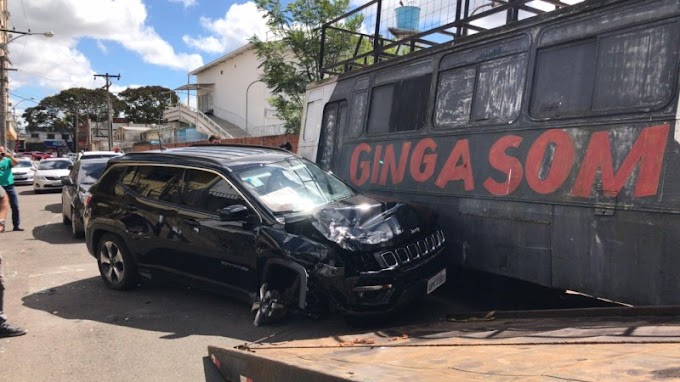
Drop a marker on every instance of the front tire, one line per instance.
(270, 307)
(116, 265)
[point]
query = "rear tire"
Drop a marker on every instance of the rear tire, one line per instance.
(76, 226)
(117, 267)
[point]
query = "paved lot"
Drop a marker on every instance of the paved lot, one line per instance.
(81, 331)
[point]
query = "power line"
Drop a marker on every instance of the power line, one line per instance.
(107, 76)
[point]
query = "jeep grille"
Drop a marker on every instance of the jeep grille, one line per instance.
(411, 253)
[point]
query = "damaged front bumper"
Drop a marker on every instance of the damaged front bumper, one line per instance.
(387, 290)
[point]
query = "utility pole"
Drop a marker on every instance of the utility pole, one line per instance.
(108, 101)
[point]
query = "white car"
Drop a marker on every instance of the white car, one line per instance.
(23, 171)
(49, 173)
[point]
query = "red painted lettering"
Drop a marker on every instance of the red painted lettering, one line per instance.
(359, 166)
(390, 166)
(420, 158)
(648, 150)
(452, 171)
(377, 161)
(508, 165)
(560, 164)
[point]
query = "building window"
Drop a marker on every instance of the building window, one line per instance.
(35, 135)
(50, 136)
(64, 137)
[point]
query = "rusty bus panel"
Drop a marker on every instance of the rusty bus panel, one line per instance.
(550, 147)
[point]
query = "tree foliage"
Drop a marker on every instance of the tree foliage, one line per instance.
(146, 104)
(290, 61)
(63, 112)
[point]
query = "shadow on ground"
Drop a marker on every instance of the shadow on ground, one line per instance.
(55, 233)
(54, 208)
(179, 311)
(174, 311)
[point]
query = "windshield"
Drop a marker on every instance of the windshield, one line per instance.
(90, 172)
(54, 165)
(24, 163)
(293, 185)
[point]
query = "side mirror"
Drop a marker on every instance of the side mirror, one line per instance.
(70, 167)
(235, 212)
(66, 181)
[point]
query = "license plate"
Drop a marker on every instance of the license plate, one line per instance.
(436, 281)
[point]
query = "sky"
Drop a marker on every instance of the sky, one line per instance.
(146, 42)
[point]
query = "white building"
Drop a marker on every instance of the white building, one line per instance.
(224, 87)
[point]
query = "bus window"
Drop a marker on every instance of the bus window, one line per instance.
(356, 117)
(490, 92)
(629, 71)
(635, 69)
(312, 121)
(400, 105)
(334, 115)
(454, 97)
(500, 84)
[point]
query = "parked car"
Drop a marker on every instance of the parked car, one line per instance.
(26, 155)
(76, 185)
(23, 172)
(49, 173)
(71, 156)
(98, 154)
(264, 224)
(39, 155)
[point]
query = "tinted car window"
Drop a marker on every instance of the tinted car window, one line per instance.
(159, 182)
(209, 192)
(54, 165)
(90, 172)
(110, 180)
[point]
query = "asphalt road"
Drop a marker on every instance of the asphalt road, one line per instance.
(78, 330)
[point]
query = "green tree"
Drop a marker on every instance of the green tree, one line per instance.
(63, 112)
(146, 104)
(291, 62)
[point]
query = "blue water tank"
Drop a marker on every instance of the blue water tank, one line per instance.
(408, 17)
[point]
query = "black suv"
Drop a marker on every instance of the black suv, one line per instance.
(264, 224)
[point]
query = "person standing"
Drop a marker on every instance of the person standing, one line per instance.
(214, 140)
(6, 330)
(7, 160)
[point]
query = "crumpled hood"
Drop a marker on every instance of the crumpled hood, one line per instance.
(360, 222)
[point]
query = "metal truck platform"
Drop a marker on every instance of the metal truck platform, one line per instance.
(599, 344)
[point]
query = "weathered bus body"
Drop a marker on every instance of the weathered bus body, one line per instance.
(549, 146)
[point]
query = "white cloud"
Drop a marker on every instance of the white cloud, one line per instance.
(58, 64)
(187, 3)
(102, 47)
(240, 22)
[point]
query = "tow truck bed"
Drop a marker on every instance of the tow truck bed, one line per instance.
(632, 344)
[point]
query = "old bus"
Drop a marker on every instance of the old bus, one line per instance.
(549, 145)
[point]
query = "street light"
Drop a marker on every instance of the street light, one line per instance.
(3, 87)
(14, 108)
(248, 89)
